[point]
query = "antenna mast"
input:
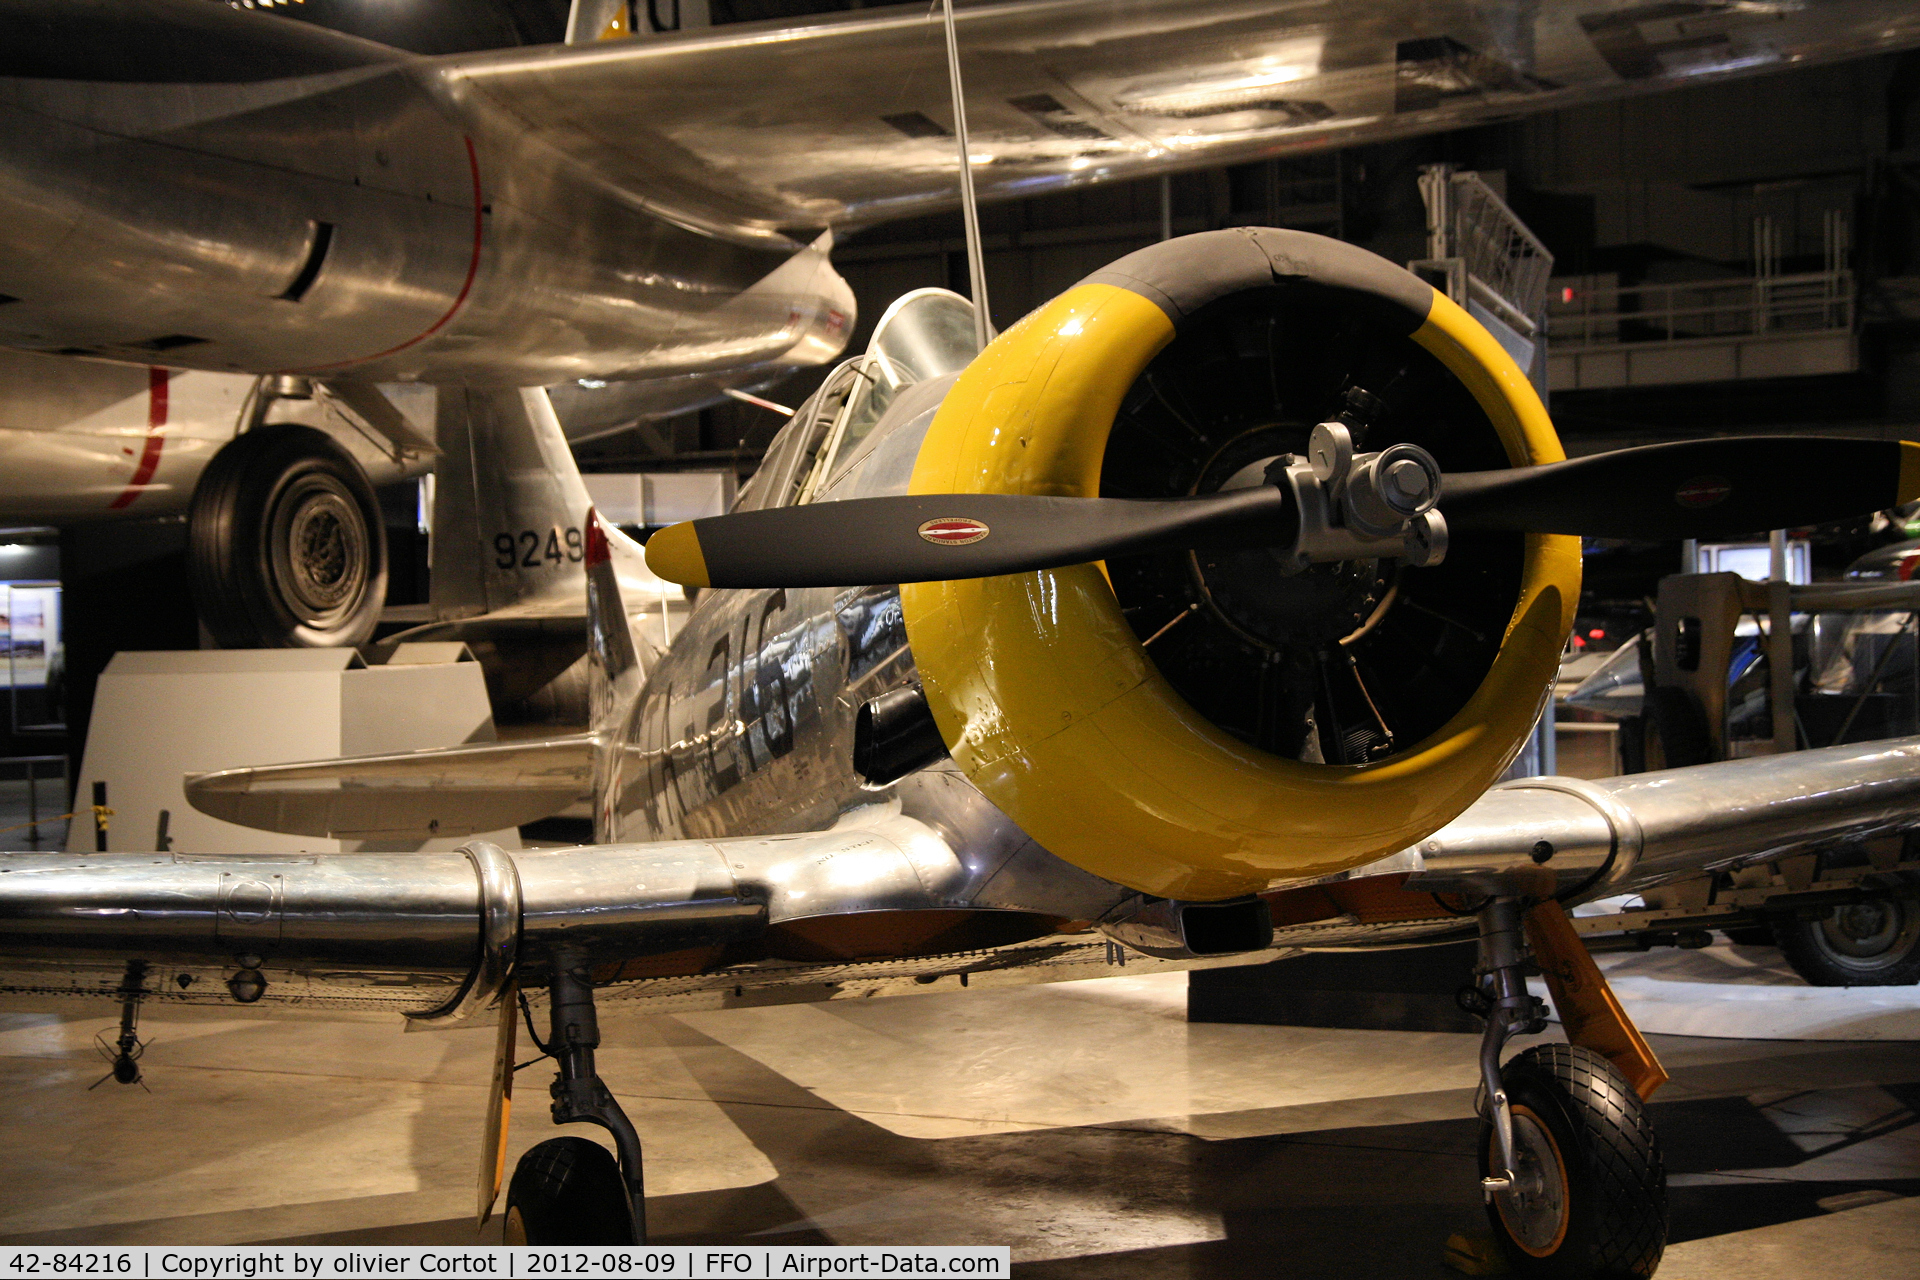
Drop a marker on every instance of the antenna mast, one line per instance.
(976, 265)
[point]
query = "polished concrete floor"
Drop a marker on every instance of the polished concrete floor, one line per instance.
(1087, 1125)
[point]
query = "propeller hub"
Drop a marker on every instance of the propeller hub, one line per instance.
(1362, 506)
(1407, 485)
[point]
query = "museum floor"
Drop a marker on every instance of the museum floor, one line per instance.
(1087, 1125)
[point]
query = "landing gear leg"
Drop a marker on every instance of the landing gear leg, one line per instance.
(1509, 1010)
(124, 1052)
(1571, 1170)
(569, 1190)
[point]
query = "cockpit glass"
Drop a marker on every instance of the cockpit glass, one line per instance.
(923, 335)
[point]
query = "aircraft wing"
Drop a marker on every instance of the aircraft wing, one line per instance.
(658, 915)
(766, 126)
(448, 791)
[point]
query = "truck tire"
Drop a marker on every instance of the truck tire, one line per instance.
(1860, 944)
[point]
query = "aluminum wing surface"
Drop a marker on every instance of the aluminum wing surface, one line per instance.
(762, 127)
(347, 924)
(448, 791)
(1589, 839)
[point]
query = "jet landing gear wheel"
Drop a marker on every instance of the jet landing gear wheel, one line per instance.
(285, 544)
(1862, 944)
(568, 1191)
(1590, 1196)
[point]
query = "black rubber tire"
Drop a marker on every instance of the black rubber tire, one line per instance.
(1872, 944)
(568, 1191)
(285, 545)
(1675, 732)
(1612, 1220)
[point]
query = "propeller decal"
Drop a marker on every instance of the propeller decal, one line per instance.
(953, 531)
(1703, 491)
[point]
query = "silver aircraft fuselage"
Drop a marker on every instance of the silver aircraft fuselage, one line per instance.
(186, 183)
(746, 723)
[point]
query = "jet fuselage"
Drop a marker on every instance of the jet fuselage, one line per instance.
(219, 189)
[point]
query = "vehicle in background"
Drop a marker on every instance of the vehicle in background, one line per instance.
(1848, 915)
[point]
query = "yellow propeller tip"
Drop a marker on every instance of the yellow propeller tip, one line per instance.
(674, 553)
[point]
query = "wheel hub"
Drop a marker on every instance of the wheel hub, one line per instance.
(1534, 1209)
(320, 551)
(1863, 934)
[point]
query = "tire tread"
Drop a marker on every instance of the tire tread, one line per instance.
(569, 1191)
(1624, 1178)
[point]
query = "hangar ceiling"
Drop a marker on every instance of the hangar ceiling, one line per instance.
(1778, 173)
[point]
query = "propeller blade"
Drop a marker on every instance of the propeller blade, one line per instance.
(940, 537)
(1690, 488)
(1687, 489)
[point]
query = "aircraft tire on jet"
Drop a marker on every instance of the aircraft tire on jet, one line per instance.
(568, 1191)
(285, 544)
(1860, 944)
(1592, 1204)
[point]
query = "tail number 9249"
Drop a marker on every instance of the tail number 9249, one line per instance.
(526, 550)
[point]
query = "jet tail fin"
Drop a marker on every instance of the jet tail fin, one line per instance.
(511, 522)
(507, 505)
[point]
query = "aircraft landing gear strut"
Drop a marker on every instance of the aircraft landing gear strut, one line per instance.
(124, 1051)
(1509, 1011)
(570, 1190)
(1571, 1170)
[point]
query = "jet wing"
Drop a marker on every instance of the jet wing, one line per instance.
(768, 126)
(448, 791)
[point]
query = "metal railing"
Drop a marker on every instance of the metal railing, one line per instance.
(1608, 314)
(1499, 250)
(1501, 263)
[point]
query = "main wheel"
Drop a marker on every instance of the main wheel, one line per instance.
(1862, 944)
(285, 543)
(1590, 1194)
(568, 1191)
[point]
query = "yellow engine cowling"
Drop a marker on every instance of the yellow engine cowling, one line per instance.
(1046, 696)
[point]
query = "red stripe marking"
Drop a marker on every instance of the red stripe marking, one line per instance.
(598, 550)
(150, 454)
(473, 269)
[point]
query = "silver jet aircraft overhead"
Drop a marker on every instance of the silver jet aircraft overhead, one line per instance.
(353, 194)
(1234, 578)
